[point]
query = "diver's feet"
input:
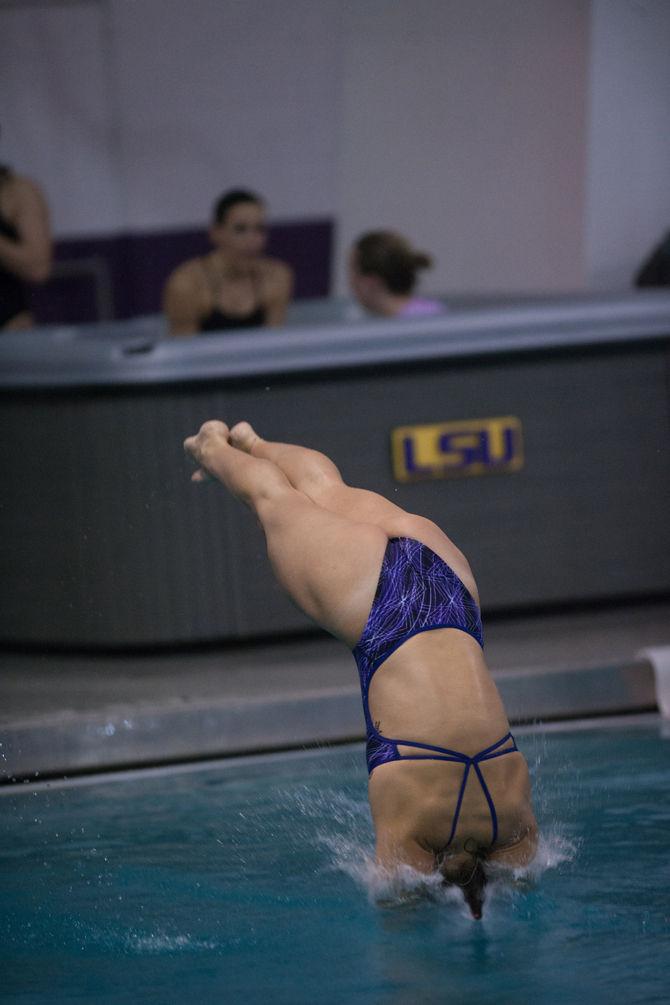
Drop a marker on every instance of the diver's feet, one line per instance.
(205, 446)
(243, 436)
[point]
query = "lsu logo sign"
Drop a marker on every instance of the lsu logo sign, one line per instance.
(453, 449)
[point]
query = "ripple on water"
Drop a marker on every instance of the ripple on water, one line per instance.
(161, 942)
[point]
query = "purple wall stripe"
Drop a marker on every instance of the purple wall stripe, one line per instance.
(100, 278)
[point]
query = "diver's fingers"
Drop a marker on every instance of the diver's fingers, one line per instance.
(201, 476)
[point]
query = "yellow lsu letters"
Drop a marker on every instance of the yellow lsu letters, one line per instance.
(455, 449)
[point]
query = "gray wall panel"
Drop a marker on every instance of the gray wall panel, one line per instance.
(587, 515)
(106, 542)
(103, 538)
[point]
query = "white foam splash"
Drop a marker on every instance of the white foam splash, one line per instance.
(553, 849)
(348, 845)
(383, 886)
(353, 857)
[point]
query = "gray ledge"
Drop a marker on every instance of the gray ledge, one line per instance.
(120, 736)
(76, 357)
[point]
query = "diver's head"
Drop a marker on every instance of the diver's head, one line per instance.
(466, 871)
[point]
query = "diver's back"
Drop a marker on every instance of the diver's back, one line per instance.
(436, 690)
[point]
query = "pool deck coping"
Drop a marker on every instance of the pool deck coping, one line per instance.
(639, 720)
(63, 715)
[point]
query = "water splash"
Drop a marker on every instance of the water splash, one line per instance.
(553, 849)
(403, 885)
(348, 846)
(385, 887)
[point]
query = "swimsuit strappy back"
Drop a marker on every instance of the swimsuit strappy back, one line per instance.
(418, 592)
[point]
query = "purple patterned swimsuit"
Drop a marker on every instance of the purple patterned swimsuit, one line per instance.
(418, 592)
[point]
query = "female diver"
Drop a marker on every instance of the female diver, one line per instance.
(448, 789)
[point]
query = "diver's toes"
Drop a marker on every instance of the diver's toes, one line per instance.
(243, 436)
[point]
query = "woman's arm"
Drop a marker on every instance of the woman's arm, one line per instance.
(279, 290)
(28, 258)
(181, 303)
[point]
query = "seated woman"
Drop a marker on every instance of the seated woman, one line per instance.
(448, 789)
(25, 246)
(383, 274)
(234, 286)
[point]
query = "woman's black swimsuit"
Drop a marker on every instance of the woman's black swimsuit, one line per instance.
(13, 294)
(218, 320)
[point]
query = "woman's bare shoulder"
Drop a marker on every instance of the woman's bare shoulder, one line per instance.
(276, 272)
(187, 276)
(19, 192)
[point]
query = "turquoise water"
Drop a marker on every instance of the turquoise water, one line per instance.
(252, 882)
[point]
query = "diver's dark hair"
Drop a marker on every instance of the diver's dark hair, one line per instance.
(386, 254)
(471, 880)
(233, 197)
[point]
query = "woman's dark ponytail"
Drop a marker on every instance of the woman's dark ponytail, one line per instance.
(386, 254)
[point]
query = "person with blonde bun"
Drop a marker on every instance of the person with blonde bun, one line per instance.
(383, 270)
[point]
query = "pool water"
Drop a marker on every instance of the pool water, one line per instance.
(251, 881)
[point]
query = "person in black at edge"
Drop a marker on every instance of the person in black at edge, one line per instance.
(655, 270)
(25, 246)
(235, 285)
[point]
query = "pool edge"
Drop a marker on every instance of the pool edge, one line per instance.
(120, 737)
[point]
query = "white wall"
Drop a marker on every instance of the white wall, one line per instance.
(216, 94)
(136, 114)
(56, 112)
(468, 124)
(465, 129)
(628, 205)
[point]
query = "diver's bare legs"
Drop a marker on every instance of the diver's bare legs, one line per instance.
(315, 475)
(249, 479)
(327, 563)
(305, 469)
